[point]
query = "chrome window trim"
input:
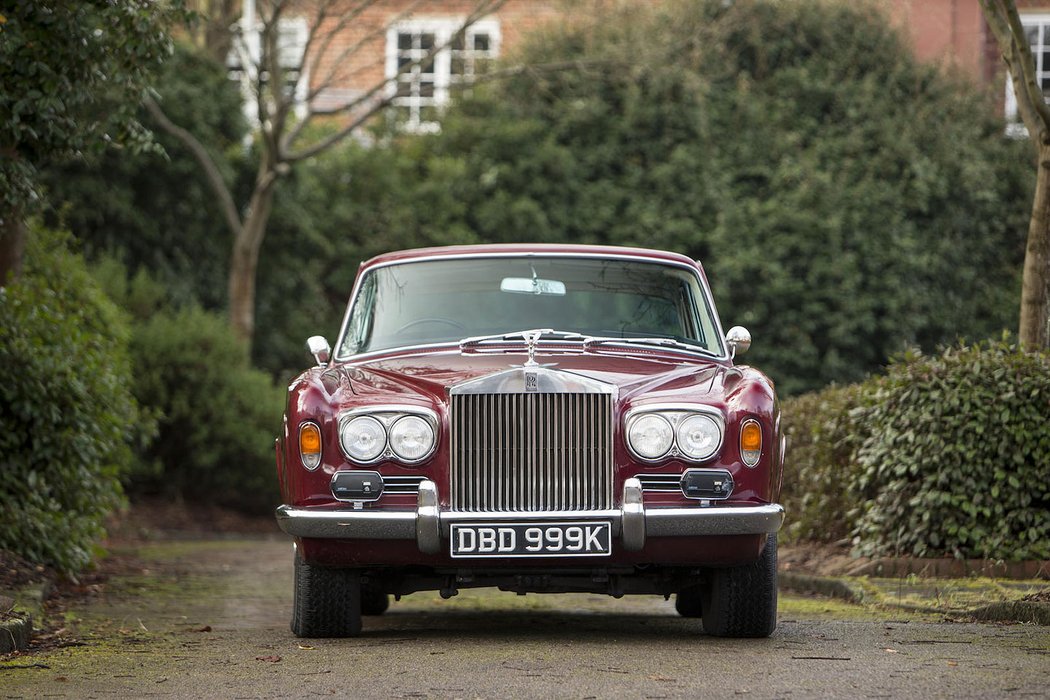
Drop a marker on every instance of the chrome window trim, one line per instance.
(692, 268)
(387, 415)
(674, 452)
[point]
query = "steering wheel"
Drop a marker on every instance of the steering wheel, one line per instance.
(433, 319)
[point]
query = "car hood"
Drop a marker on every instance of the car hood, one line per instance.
(657, 375)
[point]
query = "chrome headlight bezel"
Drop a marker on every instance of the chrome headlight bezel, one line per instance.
(656, 421)
(411, 421)
(675, 415)
(387, 416)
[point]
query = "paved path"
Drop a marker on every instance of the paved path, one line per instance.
(211, 620)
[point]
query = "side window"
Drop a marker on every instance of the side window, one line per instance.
(359, 326)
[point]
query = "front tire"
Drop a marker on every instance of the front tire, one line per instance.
(742, 601)
(327, 602)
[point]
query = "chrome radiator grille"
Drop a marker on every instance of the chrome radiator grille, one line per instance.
(531, 452)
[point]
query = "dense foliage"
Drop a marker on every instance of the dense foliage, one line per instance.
(846, 200)
(154, 210)
(945, 455)
(67, 414)
(72, 73)
(216, 416)
(823, 434)
(956, 458)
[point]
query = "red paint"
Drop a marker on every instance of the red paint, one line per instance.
(642, 375)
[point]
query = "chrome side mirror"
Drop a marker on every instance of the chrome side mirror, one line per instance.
(317, 346)
(739, 340)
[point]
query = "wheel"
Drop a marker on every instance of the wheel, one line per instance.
(688, 602)
(327, 602)
(373, 602)
(742, 601)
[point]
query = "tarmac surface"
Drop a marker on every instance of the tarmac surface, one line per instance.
(210, 619)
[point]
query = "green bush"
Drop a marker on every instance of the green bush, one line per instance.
(67, 414)
(823, 435)
(847, 200)
(957, 456)
(217, 417)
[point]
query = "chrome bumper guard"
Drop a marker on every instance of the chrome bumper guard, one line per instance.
(429, 527)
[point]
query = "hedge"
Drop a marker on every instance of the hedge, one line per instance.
(67, 415)
(957, 456)
(944, 455)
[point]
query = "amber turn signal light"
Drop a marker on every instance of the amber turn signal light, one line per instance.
(310, 445)
(750, 442)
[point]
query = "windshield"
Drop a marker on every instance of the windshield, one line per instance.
(439, 301)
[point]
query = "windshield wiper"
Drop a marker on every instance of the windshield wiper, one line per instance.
(665, 341)
(534, 334)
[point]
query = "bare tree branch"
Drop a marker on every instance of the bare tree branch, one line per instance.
(370, 101)
(211, 171)
(336, 63)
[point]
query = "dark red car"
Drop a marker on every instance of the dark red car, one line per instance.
(541, 419)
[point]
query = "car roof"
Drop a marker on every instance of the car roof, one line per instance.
(454, 251)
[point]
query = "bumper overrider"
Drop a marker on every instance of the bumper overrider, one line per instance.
(430, 527)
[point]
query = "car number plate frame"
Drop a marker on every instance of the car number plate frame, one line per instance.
(568, 538)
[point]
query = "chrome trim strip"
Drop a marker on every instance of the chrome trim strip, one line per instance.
(714, 521)
(427, 525)
(347, 524)
(709, 297)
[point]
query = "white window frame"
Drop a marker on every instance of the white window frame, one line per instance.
(1014, 126)
(443, 29)
(243, 61)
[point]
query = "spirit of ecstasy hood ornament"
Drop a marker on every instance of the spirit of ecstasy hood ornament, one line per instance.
(531, 339)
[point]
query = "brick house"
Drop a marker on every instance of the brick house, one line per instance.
(392, 33)
(385, 36)
(954, 34)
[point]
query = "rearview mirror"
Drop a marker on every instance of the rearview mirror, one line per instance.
(526, 285)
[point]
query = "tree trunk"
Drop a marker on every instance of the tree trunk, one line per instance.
(1034, 331)
(12, 245)
(245, 261)
(217, 35)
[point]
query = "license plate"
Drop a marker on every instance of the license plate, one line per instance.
(561, 539)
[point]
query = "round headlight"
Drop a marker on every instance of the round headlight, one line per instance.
(699, 436)
(650, 436)
(411, 438)
(363, 438)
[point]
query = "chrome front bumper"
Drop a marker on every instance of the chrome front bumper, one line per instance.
(429, 526)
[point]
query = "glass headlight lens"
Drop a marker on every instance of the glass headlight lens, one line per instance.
(411, 438)
(363, 438)
(650, 436)
(699, 436)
